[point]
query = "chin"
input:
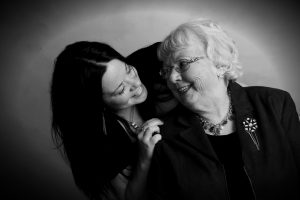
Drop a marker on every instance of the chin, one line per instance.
(144, 97)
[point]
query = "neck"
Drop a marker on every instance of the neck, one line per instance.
(217, 119)
(131, 114)
(216, 107)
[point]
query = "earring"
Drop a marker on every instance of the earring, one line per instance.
(220, 76)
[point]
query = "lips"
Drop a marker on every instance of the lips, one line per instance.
(182, 90)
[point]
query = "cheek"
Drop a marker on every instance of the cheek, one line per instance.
(197, 78)
(202, 79)
(199, 84)
(204, 83)
(117, 103)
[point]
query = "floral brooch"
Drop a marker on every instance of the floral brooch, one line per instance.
(250, 126)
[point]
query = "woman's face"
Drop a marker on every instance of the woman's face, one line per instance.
(122, 86)
(191, 76)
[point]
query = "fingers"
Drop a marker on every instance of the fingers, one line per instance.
(153, 122)
(149, 132)
(149, 128)
(148, 137)
(155, 138)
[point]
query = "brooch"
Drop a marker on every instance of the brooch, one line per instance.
(250, 126)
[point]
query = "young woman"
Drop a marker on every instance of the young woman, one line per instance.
(97, 123)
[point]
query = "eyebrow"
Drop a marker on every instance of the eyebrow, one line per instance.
(190, 58)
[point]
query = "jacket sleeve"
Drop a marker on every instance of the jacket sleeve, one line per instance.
(291, 123)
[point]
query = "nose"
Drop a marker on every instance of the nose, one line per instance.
(174, 76)
(135, 85)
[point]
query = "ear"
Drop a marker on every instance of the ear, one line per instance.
(220, 72)
(222, 69)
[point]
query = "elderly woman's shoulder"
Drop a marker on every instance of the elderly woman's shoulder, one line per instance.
(267, 93)
(175, 119)
(179, 110)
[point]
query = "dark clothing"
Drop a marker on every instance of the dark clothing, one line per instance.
(185, 164)
(103, 158)
(228, 151)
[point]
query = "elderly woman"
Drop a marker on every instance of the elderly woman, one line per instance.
(224, 141)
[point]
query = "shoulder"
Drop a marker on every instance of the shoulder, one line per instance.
(266, 92)
(257, 93)
(175, 122)
(176, 117)
(273, 98)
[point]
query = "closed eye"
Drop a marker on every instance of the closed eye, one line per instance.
(122, 91)
(183, 64)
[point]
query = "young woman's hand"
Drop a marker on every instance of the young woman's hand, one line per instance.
(148, 136)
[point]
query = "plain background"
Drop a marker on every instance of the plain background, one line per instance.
(33, 33)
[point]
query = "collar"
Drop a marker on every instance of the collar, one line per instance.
(240, 101)
(244, 111)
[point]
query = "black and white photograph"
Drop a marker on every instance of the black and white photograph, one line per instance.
(149, 100)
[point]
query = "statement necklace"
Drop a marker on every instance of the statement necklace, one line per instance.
(215, 129)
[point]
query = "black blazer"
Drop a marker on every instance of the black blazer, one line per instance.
(185, 165)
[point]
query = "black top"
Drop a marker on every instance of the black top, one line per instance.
(227, 148)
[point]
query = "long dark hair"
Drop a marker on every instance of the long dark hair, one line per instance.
(78, 114)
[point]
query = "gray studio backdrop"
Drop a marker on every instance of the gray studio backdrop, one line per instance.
(34, 32)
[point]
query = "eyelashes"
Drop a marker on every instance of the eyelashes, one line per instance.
(122, 91)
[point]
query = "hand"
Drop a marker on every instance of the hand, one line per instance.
(147, 138)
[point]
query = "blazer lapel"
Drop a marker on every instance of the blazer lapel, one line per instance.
(246, 124)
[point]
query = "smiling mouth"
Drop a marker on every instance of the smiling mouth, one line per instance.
(184, 89)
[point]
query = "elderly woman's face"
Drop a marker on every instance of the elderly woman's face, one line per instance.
(122, 86)
(191, 76)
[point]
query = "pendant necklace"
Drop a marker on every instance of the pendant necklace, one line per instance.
(133, 124)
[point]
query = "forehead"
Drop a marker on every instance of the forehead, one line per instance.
(113, 76)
